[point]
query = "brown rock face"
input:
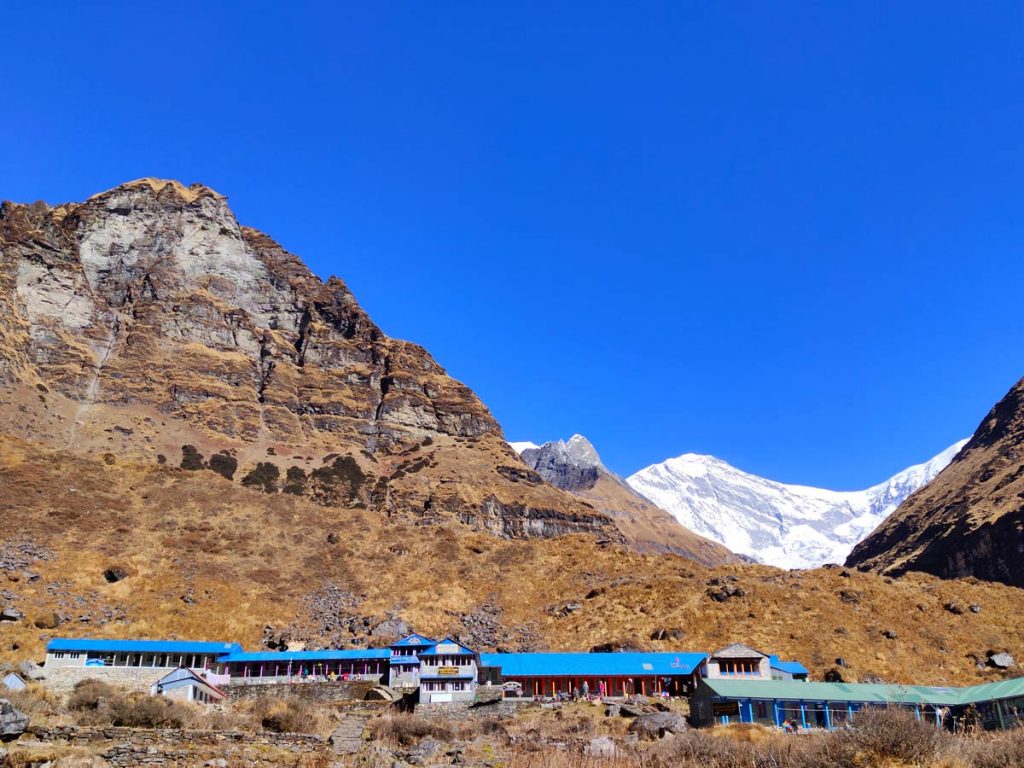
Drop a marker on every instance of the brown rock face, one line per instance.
(146, 324)
(969, 521)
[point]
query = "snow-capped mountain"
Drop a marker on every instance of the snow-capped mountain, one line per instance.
(575, 466)
(790, 526)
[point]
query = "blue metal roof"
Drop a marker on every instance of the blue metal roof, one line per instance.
(592, 664)
(328, 655)
(140, 646)
(415, 640)
(790, 667)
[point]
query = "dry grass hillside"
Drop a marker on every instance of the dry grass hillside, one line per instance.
(198, 556)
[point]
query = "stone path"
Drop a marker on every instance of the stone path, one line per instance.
(348, 736)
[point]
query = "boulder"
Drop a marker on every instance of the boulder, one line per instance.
(834, 676)
(725, 592)
(620, 646)
(31, 671)
(423, 751)
(664, 633)
(954, 608)
(382, 693)
(657, 724)
(1000, 660)
(13, 722)
(10, 613)
(115, 573)
(632, 710)
(50, 620)
(602, 747)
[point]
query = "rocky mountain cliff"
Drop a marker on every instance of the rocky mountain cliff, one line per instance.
(146, 324)
(575, 466)
(969, 521)
(791, 526)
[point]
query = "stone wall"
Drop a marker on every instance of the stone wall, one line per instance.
(130, 747)
(461, 710)
(63, 679)
(326, 692)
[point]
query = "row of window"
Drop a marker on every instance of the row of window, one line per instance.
(452, 685)
(739, 667)
(448, 661)
(164, 660)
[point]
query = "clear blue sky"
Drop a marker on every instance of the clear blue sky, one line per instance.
(787, 234)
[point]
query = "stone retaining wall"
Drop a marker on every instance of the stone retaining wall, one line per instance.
(74, 734)
(461, 710)
(327, 692)
(63, 679)
(176, 748)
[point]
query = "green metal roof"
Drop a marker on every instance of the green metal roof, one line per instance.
(1004, 689)
(867, 693)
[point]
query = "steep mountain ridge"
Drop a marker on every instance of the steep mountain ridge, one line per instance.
(791, 526)
(575, 466)
(147, 324)
(969, 521)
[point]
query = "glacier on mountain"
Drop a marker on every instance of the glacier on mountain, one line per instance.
(790, 526)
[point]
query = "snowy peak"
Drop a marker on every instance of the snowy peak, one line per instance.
(791, 526)
(523, 445)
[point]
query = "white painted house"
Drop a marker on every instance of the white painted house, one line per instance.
(448, 672)
(186, 684)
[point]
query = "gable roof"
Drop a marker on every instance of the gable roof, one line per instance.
(141, 646)
(414, 640)
(463, 650)
(738, 651)
(592, 664)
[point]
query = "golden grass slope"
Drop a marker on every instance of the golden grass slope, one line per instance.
(209, 559)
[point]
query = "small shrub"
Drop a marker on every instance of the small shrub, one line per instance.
(263, 477)
(894, 734)
(295, 481)
(289, 715)
(191, 458)
(224, 464)
(341, 480)
(142, 711)
(89, 694)
(405, 730)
